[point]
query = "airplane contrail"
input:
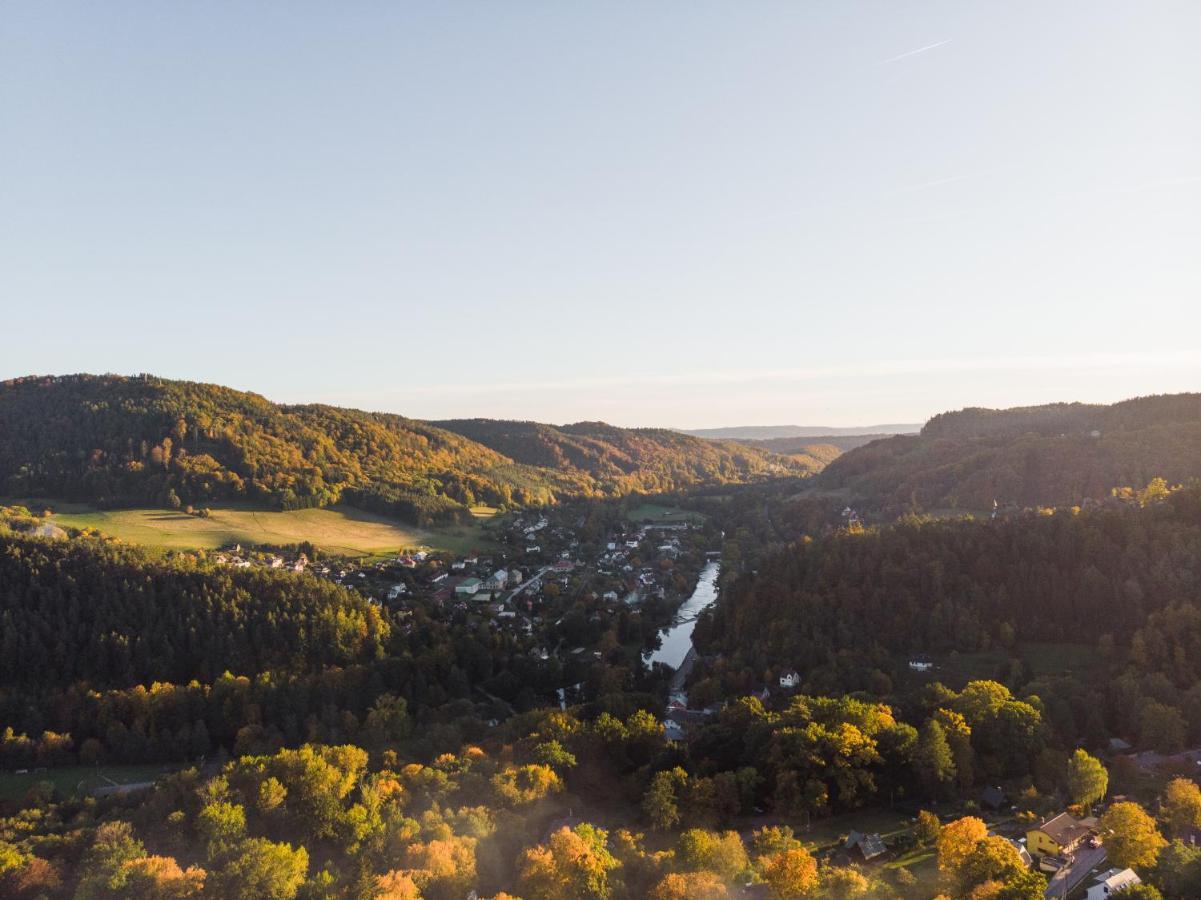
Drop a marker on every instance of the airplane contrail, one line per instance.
(909, 53)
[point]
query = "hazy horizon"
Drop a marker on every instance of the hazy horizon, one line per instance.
(686, 215)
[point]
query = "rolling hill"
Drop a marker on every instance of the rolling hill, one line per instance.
(119, 441)
(771, 432)
(1054, 455)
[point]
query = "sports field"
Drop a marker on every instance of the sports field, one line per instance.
(338, 529)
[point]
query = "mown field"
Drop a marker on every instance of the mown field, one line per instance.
(71, 781)
(662, 515)
(339, 529)
(1037, 658)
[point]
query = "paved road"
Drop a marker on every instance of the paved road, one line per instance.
(1070, 876)
(521, 587)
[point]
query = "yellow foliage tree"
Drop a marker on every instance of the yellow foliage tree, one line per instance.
(790, 874)
(690, 886)
(956, 842)
(1131, 838)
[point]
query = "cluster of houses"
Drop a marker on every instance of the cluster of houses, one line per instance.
(1071, 852)
(238, 558)
(1067, 849)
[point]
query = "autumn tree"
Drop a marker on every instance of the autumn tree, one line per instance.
(956, 841)
(790, 874)
(660, 803)
(1087, 779)
(1181, 805)
(526, 784)
(844, 883)
(933, 760)
(221, 825)
(260, 869)
(959, 739)
(927, 828)
(1131, 838)
(773, 839)
(723, 853)
(575, 862)
(689, 886)
(992, 859)
(157, 878)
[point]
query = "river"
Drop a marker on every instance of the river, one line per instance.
(676, 641)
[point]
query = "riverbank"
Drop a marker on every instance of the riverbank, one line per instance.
(675, 643)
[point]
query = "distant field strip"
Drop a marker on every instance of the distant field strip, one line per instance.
(338, 529)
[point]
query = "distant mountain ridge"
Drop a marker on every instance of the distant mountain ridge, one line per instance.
(771, 432)
(115, 440)
(840, 442)
(1055, 455)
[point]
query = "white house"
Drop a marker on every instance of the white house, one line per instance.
(1109, 883)
(921, 663)
(790, 679)
(396, 590)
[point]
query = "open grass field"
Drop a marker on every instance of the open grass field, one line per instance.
(1038, 658)
(662, 515)
(338, 529)
(78, 780)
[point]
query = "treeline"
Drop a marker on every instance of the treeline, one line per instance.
(1056, 455)
(622, 460)
(501, 815)
(113, 440)
(108, 654)
(110, 615)
(848, 609)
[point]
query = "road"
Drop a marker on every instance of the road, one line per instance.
(521, 587)
(1085, 860)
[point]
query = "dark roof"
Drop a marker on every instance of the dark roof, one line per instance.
(993, 797)
(870, 845)
(1063, 829)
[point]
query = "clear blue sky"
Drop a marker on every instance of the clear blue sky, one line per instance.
(678, 213)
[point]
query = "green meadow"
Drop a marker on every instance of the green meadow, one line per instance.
(339, 529)
(659, 514)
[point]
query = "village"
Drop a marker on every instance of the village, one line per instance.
(556, 584)
(543, 582)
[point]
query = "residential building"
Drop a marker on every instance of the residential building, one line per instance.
(869, 846)
(1057, 836)
(1111, 882)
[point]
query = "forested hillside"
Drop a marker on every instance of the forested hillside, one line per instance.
(1056, 455)
(619, 460)
(114, 440)
(107, 614)
(850, 607)
(132, 655)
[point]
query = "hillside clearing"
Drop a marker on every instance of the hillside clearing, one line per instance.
(663, 515)
(78, 781)
(337, 529)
